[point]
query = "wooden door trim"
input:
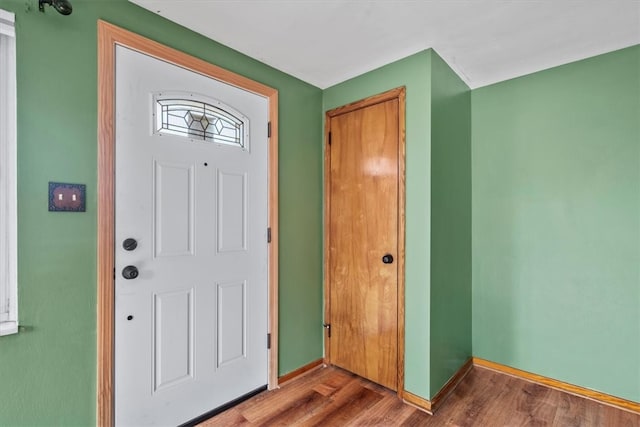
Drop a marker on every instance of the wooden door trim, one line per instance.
(399, 94)
(109, 36)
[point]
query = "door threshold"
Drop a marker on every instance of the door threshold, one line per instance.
(197, 420)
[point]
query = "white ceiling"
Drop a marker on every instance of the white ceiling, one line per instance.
(325, 42)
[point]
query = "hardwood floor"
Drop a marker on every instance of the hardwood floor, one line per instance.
(333, 397)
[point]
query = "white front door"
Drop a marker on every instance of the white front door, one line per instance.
(191, 319)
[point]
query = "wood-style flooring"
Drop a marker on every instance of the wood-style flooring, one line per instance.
(333, 397)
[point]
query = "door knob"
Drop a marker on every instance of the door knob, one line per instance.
(129, 244)
(387, 259)
(130, 272)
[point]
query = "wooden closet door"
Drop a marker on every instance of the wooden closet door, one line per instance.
(363, 242)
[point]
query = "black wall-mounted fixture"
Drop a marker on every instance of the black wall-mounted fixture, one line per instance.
(62, 6)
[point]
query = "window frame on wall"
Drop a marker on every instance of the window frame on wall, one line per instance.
(8, 177)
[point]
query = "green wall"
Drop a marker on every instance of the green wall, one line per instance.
(450, 223)
(556, 223)
(413, 73)
(48, 370)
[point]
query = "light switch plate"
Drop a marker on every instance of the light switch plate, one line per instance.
(65, 197)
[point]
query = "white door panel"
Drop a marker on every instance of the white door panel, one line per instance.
(174, 210)
(191, 328)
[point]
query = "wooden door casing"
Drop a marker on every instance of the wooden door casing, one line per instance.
(364, 220)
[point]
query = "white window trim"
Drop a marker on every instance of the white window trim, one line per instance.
(8, 178)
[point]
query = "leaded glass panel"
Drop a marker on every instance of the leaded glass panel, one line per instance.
(201, 120)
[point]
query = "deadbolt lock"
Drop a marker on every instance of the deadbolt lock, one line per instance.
(129, 244)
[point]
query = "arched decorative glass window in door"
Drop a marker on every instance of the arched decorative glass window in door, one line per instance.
(200, 118)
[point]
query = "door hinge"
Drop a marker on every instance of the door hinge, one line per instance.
(329, 138)
(268, 341)
(327, 326)
(114, 273)
(268, 234)
(269, 130)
